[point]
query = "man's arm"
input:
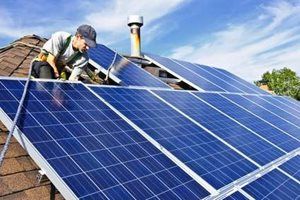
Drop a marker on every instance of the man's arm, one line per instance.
(51, 61)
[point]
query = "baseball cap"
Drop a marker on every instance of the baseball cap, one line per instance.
(88, 33)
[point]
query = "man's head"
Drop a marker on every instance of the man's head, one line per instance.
(85, 38)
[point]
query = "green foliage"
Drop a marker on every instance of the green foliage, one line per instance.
(282, 82)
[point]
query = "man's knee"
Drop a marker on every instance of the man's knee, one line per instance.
(42, 70)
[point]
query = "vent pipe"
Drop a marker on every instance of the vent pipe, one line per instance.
(135, 22)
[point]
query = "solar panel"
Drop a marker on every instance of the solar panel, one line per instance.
(279, 104)
(246, 141)
(273, 185)
(236, 196)
(87, 150)
(270, 134)
(292, 167)
(199, 70)
(260, 111)
(239, 80)
(196, 81)
(233, 80)
(215, 162)
(123, 71)
(203, 77)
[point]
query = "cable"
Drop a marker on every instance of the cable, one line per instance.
(110, 68)
(12, 129)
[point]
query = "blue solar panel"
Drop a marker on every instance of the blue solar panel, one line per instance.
(126, 71)
(236, 196)
(215, 162)
(273, 185)
(262, 128)
(237, 82)
(236, 135)
(292, 167)
(94, 152)
(208, 76)
(241, 81)
(260, 111)
(292, 109)
(204, 77)
(289, 101)
(281, 111)
(177, 70)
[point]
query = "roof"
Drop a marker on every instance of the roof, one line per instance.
(18, 172)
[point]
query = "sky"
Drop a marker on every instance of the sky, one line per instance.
(245, 37)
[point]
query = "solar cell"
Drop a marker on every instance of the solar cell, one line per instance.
(123, 71)
(273, 185)
(103, 157)
(236, 196)
(199, 70)
(239, 137)
(196, 81)
(279, 111)
(215, 162)
(242, 85)
(203, 77)
(259, 126)
(292, 167)
(277, 104)
(259, 110)
(241, 81)
(275, 101)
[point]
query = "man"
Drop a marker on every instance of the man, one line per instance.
(64, 51)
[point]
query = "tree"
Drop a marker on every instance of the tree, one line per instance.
(282, 82)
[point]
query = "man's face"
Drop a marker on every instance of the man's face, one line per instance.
(81, 45)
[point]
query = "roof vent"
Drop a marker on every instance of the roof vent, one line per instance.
(135, 22)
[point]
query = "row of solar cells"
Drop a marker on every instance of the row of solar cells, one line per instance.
(98, 154)
(199, 76)
(205, 78)
(276, 184)
(128, 73)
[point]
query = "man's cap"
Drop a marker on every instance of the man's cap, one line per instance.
(88, 33)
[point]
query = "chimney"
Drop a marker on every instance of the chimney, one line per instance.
(135, 22)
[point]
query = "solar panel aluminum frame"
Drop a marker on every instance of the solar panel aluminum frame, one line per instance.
(66, 192)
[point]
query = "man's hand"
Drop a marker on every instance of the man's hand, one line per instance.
(51, 61)
(56, 74)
